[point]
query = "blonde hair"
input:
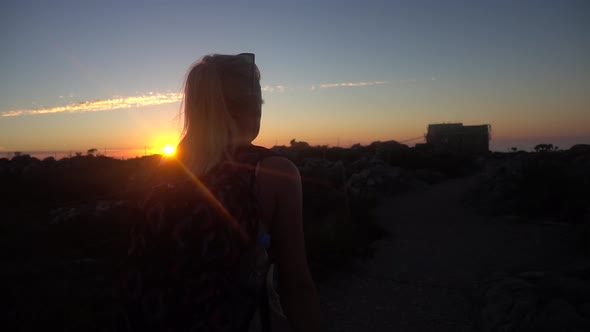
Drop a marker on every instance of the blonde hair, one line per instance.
(213, 88)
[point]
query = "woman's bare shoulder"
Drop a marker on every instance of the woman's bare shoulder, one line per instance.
(277, 166)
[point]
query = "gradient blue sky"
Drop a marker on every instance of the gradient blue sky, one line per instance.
(335, 72)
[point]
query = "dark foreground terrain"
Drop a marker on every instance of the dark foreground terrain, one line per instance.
(446, 268)
(398, 238)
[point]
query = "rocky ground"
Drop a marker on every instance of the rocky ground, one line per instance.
(434, 272)
(445, 267)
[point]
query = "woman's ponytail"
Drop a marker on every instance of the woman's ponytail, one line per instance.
(209, 129)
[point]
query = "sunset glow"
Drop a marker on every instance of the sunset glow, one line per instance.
(100, 81)
(168, 150)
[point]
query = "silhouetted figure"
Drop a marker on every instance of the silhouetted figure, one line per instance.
(199, 260)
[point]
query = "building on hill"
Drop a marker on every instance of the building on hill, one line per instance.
(456, 137)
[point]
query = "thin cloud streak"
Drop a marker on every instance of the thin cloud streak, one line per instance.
(276, 88)
(152, 99)
(103, 105)
(282, 88)
(351, 84)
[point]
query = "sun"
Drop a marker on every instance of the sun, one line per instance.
(169, 150)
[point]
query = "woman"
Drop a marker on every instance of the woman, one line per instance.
(222, 110)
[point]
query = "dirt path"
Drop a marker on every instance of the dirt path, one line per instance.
(423, 278)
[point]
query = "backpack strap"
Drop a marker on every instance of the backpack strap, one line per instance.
(251, 156)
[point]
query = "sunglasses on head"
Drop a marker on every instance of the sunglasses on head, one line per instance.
(249, 58)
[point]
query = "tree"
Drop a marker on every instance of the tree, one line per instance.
(545, 148)
(92, 151)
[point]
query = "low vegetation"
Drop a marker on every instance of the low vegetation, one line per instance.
(65, 222)
(545, 185)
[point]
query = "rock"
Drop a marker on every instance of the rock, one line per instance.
(494, 313)
(559, 315)
(509, 304)
(511, 286)
(523, 313)
(585, 310)
(377, 179)
(556, 300)
(548, 186)
(64, 214)
(104, 207)
(429, 176)
(532, 275)
(574, 290)
(579, 269)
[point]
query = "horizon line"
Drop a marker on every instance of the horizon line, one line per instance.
(147, 149)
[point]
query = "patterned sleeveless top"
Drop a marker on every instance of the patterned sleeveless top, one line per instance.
(197, 260)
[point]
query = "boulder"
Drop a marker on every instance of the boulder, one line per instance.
(538, 301)
(558, 315)
(60, 215)
(378, 180)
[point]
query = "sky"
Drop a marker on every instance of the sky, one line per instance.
(76, 75)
